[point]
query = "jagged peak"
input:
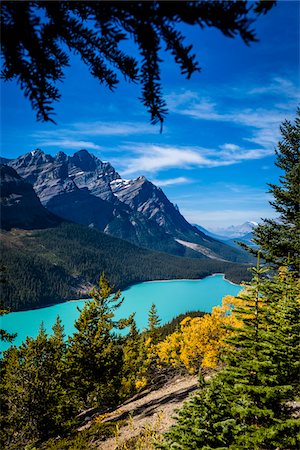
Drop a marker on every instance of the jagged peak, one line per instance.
(60, 156)
(36, 152)
(33, 157)
(83, 153)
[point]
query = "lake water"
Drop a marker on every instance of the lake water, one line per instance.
(170, 297)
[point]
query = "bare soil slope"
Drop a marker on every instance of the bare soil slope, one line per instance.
(150, 410)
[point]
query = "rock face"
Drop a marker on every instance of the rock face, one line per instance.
(83, 189)
(20, 206)
(143, 196)
(53, 175)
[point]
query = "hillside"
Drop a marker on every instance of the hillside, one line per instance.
(54, 265)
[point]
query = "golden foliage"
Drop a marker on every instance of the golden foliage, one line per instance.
(199, 340)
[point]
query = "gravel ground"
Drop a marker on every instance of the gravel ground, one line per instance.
(154, 409)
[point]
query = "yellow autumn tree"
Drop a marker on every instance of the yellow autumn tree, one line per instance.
(200, 340)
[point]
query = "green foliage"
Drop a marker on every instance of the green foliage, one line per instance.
(47, 381)
(153, 324)
(4, 335)
(36, 402)
(37, 38)
(279, 240)
(245, 404)
(49, 266)
(95, 356)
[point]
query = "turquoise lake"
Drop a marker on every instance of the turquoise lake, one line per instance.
(170, 297)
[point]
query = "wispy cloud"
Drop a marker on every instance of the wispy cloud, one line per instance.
(150, 158)
(278, 86)
(262, 123)
(172, 181)
(113, 128)
(96, 128)
(69, 144)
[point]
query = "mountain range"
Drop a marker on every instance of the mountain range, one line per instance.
(84, 190)
(233, 233)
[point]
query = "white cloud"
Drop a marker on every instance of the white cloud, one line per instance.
(150, 158)
(171, 181)
(68, 143)
(81, 130)
(262, 122)
(113, 128)
(230, 147)
(153, 158)
(278, 86)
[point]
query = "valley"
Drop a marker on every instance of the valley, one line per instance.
(62, 263)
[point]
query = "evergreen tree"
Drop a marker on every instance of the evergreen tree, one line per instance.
(95, 356)
(4, 335)
(35, 400)
(37, 37)
(245, 404)
(153, 324)
(280, 239)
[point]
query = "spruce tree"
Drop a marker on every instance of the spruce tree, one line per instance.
(4, 335)
(279, 239)
(35, 399)
(153, 324)
(95, 356)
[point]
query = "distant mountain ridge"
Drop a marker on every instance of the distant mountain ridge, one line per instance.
(236, 231)
(83, 189)
(233, 233)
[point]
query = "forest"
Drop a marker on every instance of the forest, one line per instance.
(251, 342)
(54, 265)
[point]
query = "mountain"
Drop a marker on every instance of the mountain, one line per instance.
(237, 231)
(211, 233)
(233, 234)
(20, 206)
(77, 188)
(83, 189)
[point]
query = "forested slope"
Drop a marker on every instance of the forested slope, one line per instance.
(53, 265)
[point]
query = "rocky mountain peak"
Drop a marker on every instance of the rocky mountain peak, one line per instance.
(61, 157)
(84, 160)
(35, 157)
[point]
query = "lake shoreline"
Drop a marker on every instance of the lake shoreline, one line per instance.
(49, 305)
(171, 299)
(186, 279)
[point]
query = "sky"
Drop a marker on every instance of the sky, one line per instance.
(215, 155)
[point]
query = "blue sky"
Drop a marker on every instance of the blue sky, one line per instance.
(216, 153)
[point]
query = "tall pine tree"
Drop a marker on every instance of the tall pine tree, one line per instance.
(279, 239)
(35, 399)
(95, 355)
